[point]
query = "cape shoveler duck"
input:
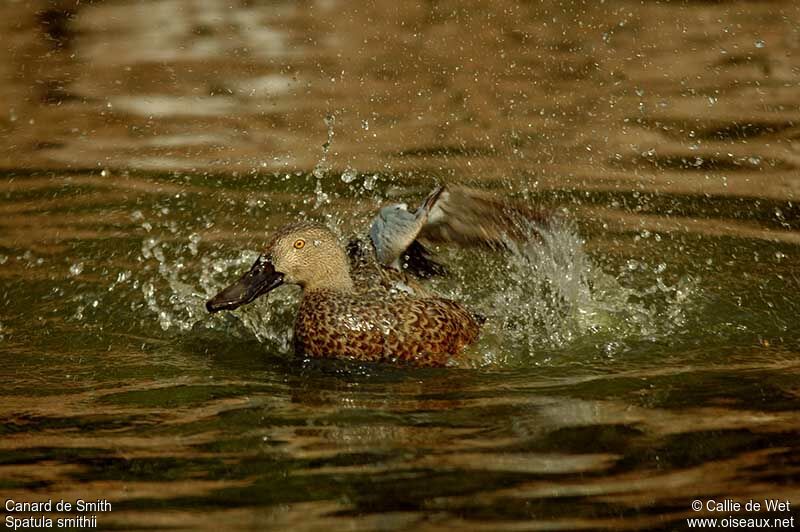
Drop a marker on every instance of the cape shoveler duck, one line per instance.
(362, 302)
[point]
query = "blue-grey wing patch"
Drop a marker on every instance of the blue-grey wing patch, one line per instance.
(392, 232)
(395, 229)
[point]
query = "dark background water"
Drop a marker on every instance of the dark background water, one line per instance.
(644, 356)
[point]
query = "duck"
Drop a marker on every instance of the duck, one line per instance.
(365, 301)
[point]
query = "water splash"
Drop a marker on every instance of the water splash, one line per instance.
(321, 197)
(548, 298)
(545, 298)
(177, 296)
(180, 307)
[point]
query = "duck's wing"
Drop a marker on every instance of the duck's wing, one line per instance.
(471, 217)
(462, 215)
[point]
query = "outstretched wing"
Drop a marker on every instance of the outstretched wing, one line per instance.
(471, 217)
(461, 215)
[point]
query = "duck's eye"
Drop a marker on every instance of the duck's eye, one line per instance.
(298, 244)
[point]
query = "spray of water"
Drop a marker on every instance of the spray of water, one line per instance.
(543, 297)
(548, 298)
(176, 296)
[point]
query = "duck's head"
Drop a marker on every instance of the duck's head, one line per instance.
(306, 254)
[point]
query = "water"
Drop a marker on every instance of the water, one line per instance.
(643, 354)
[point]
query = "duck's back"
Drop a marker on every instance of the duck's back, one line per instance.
(397, 327)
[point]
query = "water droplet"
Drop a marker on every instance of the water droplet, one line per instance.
(760, 43)
(164, 320)
(611, 348)
(349, 175)
(76, 269)
(369, 181)
(194, 240)
(321, 197)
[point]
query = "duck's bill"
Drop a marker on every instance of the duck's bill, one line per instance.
(261, 278)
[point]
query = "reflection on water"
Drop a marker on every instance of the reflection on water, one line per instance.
(642, 354)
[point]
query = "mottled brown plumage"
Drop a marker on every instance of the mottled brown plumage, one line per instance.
(398, 328)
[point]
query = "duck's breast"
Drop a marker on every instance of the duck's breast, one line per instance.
(427, 331)
(335, 325)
